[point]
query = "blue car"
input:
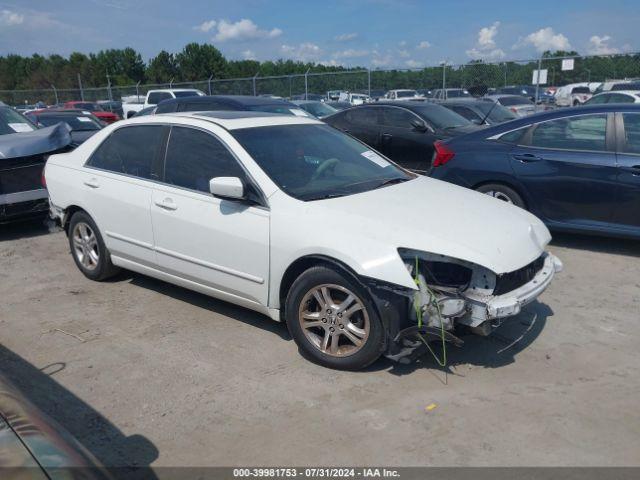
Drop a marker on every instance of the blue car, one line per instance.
(577, 169)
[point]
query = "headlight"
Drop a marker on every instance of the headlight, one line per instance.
(438, 270)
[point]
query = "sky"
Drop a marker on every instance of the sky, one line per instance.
(369, 33)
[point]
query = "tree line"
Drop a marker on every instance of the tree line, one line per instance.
(126, 67)
(197, 62)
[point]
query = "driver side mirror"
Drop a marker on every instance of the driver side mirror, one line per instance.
(227, 188)
(419, 125)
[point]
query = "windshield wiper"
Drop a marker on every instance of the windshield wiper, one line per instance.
(391, 181)
(325, 196)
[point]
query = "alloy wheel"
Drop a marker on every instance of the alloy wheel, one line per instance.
(499, 195)
(334, 320)
(85, 246)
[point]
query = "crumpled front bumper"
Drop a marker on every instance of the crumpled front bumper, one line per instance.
(493, 307)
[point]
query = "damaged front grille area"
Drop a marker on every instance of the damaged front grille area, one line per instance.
(508, 282)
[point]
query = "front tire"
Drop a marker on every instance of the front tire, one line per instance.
(88, 249)
(502, 192)
(333, 320)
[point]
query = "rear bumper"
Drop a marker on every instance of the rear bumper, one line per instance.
(20, 205)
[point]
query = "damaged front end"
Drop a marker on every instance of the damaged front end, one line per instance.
(22, 159)
(450, 293)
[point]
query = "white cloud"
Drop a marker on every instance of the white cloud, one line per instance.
(403, 53)
(424, 44)
(345, 37)
(545, 39)
(412, 63)
(486, 36)
(206, 26)
(485, 47)
(381, 61)
(600, 46)
(351, 53)
(9, 18)
(305, 52)
(241, 30)
(249, 55)
(403, 43)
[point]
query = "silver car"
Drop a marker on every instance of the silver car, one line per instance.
(519, 105)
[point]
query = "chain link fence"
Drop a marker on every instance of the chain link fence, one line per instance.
(478, 77)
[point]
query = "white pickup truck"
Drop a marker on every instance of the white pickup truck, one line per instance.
(130, 105)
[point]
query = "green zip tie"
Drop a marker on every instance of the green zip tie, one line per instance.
(434, 303)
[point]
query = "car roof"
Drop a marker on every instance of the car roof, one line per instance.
(467, 100)
(635, 93)
(237, 100)
(230, 120)
(551, 115)
(60, 111)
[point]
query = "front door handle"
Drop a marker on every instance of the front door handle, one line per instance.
(166, 204)
(93, 183)
(527, 157)
(634, 170)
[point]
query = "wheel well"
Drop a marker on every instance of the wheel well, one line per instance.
(304, 263)
(504, 184)
(68, 213)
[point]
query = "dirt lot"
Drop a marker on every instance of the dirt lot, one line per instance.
(146, 373)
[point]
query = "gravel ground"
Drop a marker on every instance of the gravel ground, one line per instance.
(145, 373)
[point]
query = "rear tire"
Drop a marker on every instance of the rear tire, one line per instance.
(88, 249)
(502, 192)
(333, 320)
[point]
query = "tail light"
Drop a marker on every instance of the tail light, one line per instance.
(443, 154)
(514, 110)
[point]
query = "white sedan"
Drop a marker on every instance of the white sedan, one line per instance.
(289, 217)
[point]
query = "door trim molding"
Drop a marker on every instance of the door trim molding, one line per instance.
(212, 266)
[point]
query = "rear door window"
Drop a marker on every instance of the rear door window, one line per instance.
(131, 151)
(362, 116)
(397, 117)
(584, 132)
(194, 157)
(631, 133)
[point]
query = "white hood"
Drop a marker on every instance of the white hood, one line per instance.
(424, 214)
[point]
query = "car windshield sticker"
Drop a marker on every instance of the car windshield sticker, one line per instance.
(375, 158)
(84, 119)
(20, 127)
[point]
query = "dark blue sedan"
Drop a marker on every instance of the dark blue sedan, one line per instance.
(577, 169)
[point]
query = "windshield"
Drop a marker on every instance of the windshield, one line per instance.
(318, 109)
(406, 93)
(12, 122)
(440, 117)
(497, 113)
(187, 93)
(312, 162)
(77, 123)
(511, 101)
(279, 108)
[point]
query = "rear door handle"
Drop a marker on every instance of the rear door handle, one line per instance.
(93, 183)
(527, 157)
(166, 204)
